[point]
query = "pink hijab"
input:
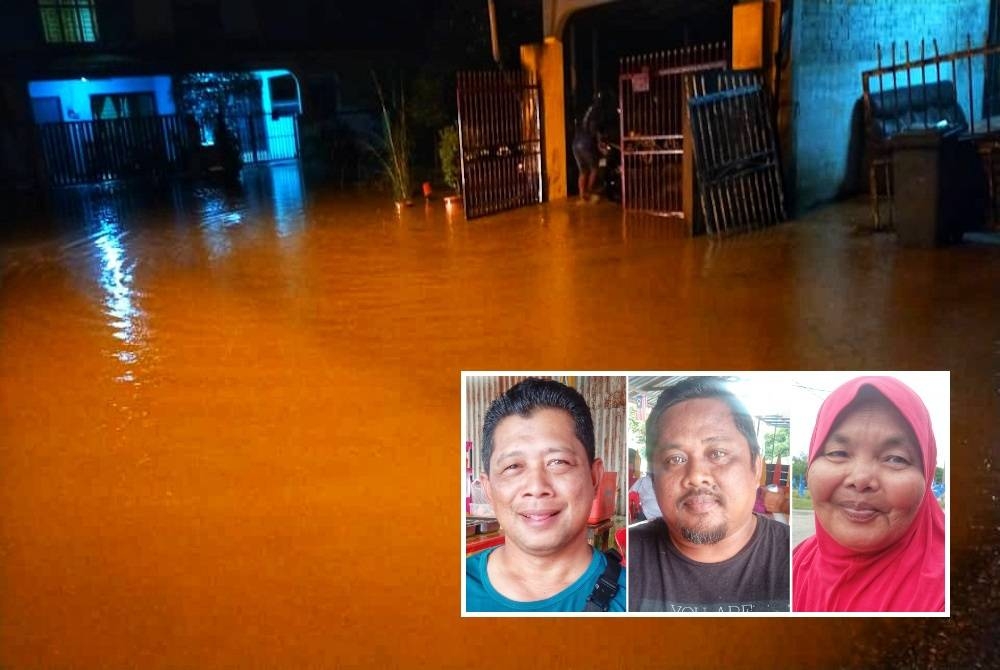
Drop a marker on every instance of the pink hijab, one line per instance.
(907, 576)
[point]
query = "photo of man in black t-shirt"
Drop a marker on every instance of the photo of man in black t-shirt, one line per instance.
(709, 552)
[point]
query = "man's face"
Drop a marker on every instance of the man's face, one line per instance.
(541, 483)
(704, 482)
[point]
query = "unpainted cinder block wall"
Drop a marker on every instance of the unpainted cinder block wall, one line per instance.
(833, 42)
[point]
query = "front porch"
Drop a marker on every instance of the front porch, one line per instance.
(93, 130)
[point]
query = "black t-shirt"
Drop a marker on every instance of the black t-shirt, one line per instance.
(661, 579)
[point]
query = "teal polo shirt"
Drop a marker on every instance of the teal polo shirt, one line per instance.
(480, 596)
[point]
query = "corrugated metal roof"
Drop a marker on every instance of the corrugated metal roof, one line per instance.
(775, 420)
(654, 386)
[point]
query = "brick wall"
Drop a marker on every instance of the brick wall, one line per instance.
(833, 41)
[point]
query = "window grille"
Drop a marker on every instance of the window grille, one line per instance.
(122, 105)
(68, 21)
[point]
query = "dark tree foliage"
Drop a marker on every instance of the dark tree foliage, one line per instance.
(459, 39)
(204, 95)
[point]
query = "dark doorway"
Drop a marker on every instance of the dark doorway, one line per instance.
(595, 39)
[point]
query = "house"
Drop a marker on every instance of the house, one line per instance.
(816, 51)
(102, 89)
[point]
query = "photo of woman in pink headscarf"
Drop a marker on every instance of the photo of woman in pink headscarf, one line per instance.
(880, 532)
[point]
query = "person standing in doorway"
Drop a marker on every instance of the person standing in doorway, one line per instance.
(586, 150)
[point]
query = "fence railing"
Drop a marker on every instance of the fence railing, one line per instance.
(955, 93)
(652, 102)
(80, 152)
(89, 151)
(908, 76)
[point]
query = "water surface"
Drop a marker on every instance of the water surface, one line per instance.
(229, 421)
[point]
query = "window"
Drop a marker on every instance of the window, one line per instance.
(122, 105)
(68, 21)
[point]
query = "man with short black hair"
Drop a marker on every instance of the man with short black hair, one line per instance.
(709, 552)
(541, 477)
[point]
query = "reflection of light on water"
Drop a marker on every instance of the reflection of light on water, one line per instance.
(216, 219)
(116, 280)
(451, 207)
(286, 183)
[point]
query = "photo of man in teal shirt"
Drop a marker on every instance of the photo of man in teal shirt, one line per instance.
(541, 478)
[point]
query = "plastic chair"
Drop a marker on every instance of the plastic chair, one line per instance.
(634, 506)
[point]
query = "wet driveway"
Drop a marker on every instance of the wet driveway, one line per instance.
(230, 421)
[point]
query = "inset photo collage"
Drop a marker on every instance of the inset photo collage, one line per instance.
(741, 494)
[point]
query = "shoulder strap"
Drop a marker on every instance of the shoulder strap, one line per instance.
(607, 584)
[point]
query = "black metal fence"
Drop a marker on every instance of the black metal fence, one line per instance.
(652, 97)
(735, 151)
(91, 151)
(500, 140)
(80, 152)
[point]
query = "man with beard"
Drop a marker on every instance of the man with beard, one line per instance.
(541, 476)
(709, 552)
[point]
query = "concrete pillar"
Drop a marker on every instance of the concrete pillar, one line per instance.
(546, 62)
(756, 45)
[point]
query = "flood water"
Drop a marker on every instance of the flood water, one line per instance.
(229, 421)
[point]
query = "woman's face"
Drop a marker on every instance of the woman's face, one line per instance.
(867, 480)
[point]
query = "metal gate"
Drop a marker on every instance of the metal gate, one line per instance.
(500, 141)
(80, 152)
(651, 97)
(736, 157)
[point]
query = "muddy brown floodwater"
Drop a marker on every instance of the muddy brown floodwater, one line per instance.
(229, 422)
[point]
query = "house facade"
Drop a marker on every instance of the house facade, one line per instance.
(101, 89)
(821, 48)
